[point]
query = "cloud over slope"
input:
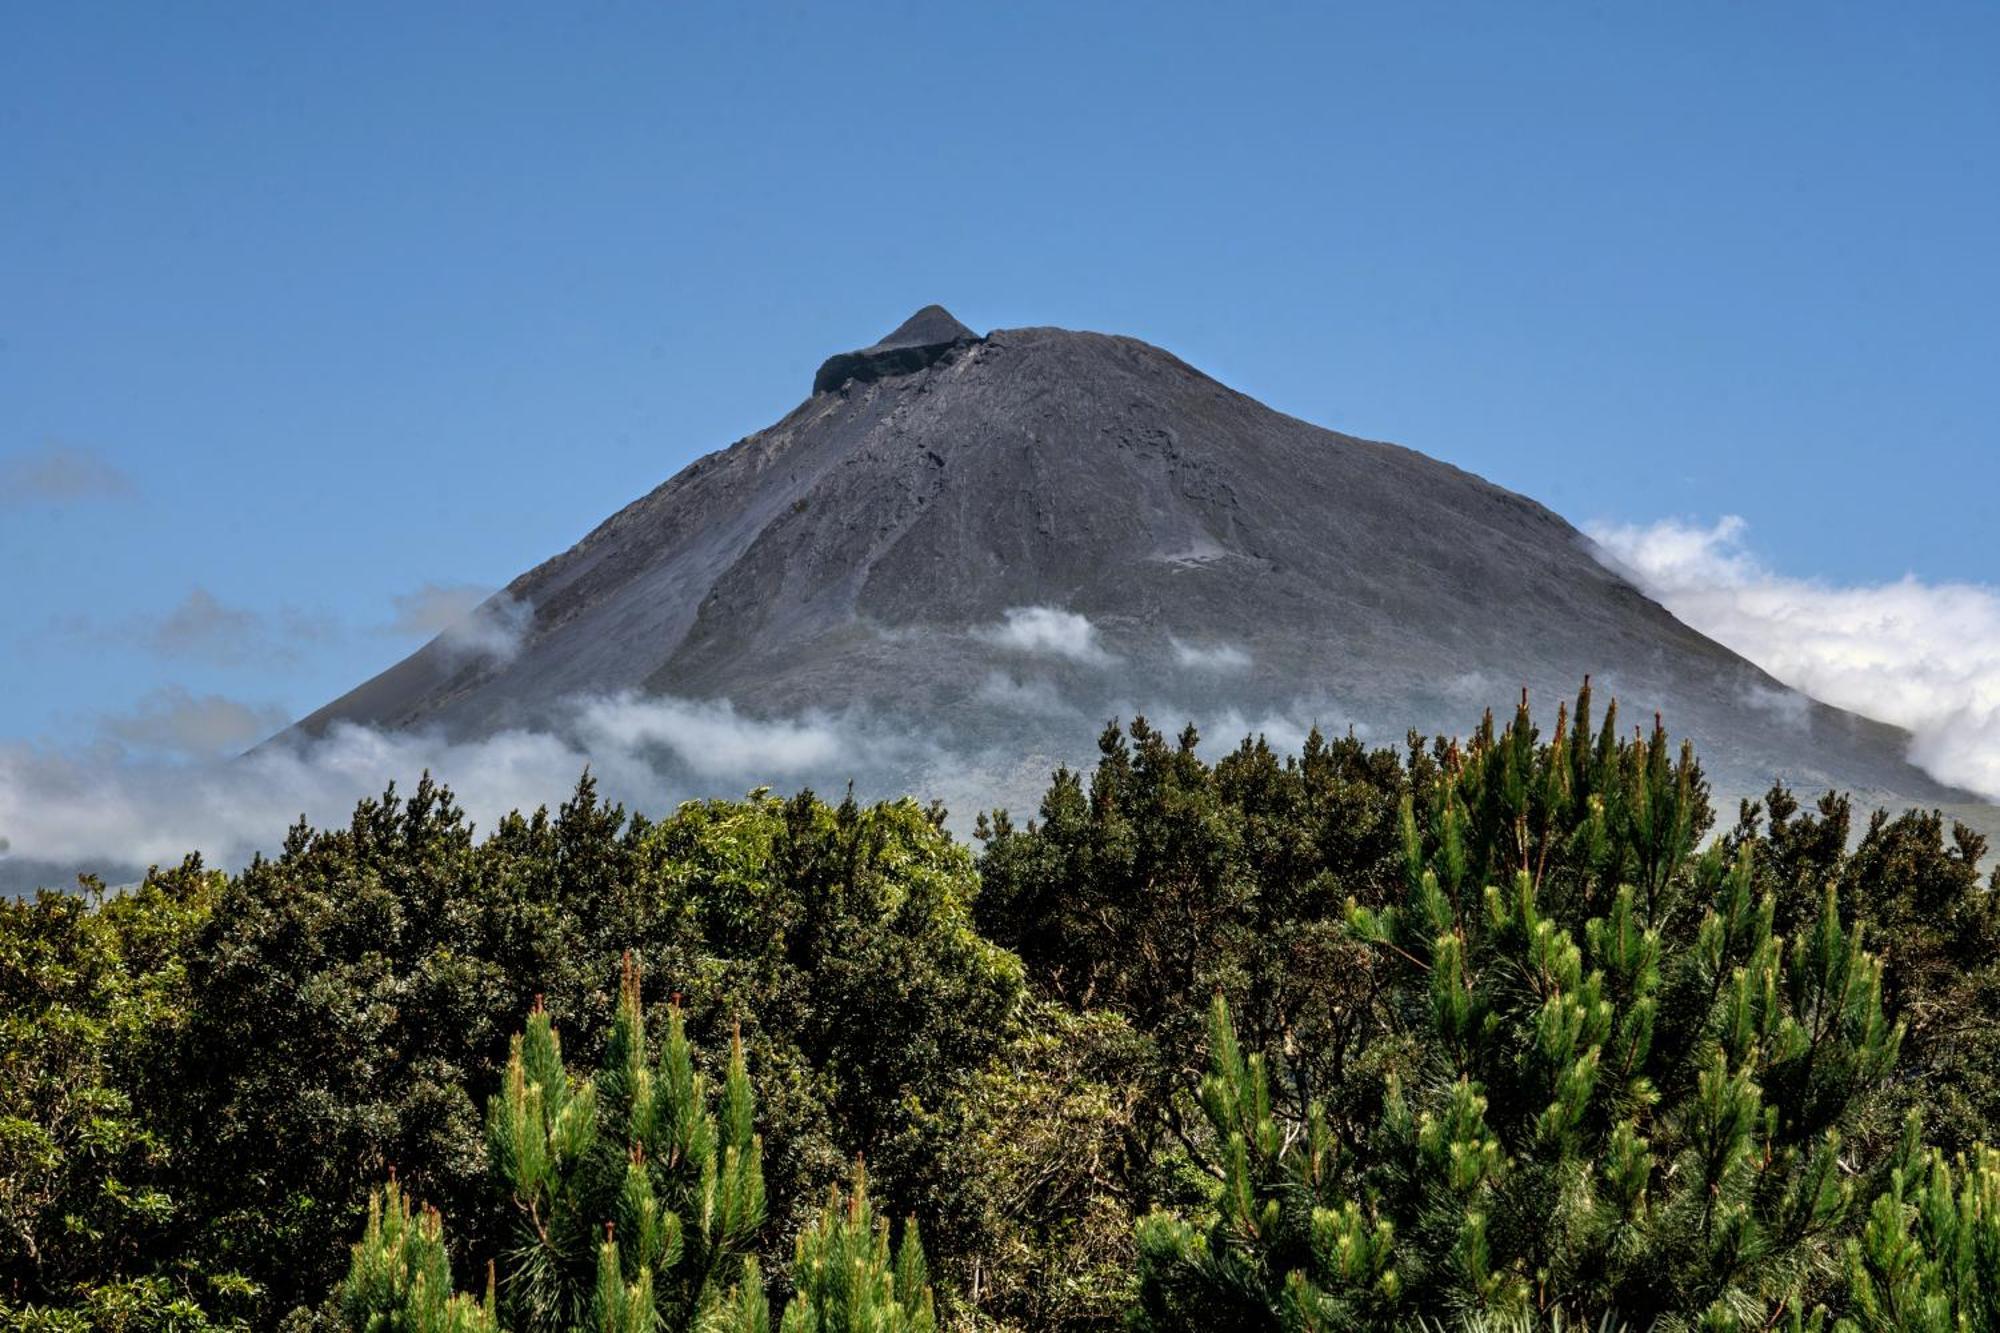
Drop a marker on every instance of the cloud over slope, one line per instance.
(1924, 656)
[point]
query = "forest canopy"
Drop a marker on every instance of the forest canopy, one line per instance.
(1509, 1031)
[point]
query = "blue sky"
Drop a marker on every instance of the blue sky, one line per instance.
(306, 309)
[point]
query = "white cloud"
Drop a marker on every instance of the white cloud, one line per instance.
(1472, 687)
(111, 804)
(1210, 657)
(1286, 729)
(465, 618)
(713, 740)
(1048, 631)
(494, 629)
(435, 607)
(1924, 656)
(1036, 696)
(1788, 706)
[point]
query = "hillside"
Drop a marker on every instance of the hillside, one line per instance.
(1235, 565)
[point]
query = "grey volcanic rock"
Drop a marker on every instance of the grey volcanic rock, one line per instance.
(922, 340)
(1234, 565)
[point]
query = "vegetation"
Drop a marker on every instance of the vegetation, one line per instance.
(1507, 1032)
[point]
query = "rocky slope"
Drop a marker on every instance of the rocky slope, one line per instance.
(871, 555)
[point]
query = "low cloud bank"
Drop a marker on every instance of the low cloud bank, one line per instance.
(113, 803)
(1924, 656)
(131, 800)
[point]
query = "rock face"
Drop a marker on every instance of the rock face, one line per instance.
(1192, 552)
(922, 340)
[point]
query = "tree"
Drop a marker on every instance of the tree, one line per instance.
(1160, 880)
(92, 999)
(1041, 1165)
(399, 1280)
(1610, 1119)
(844, 1280)
(1928, 1259)
(638, 1196)
(350, 1003)
(638, 1157)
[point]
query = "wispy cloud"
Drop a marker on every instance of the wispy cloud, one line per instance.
(204, 629)
(1210, 656)
(434, 608)
(1036, 696)
(174, 722)
(1924, 656)
(465, 617)
(1049, 631)
(58, 474)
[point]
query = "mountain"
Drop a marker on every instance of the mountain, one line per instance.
(987, 546)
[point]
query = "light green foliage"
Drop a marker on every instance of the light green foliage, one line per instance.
(1928, 1259)
(400, 1278)
(1050, 1129)
(1282, 1251)
(1645, 1114)
(632, 1192)
(638, 1196)
(844, 1279)
(93, 996)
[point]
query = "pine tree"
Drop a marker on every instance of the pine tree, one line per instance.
(1928, 1259)
(845, 1280)
(1594, 1121)
(400, 1280)
(1282, 1252)
(638, 1196)
(638, 1152)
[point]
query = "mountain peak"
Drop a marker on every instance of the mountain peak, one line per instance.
(975, 542)
(919, 341)
(933, 326)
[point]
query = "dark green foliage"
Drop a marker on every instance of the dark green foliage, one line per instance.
(1167, 879)
(343, 1009)
(92, 996)
(1164, 880)
(1915, 881)
(1510, 1043)
(352, 998)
